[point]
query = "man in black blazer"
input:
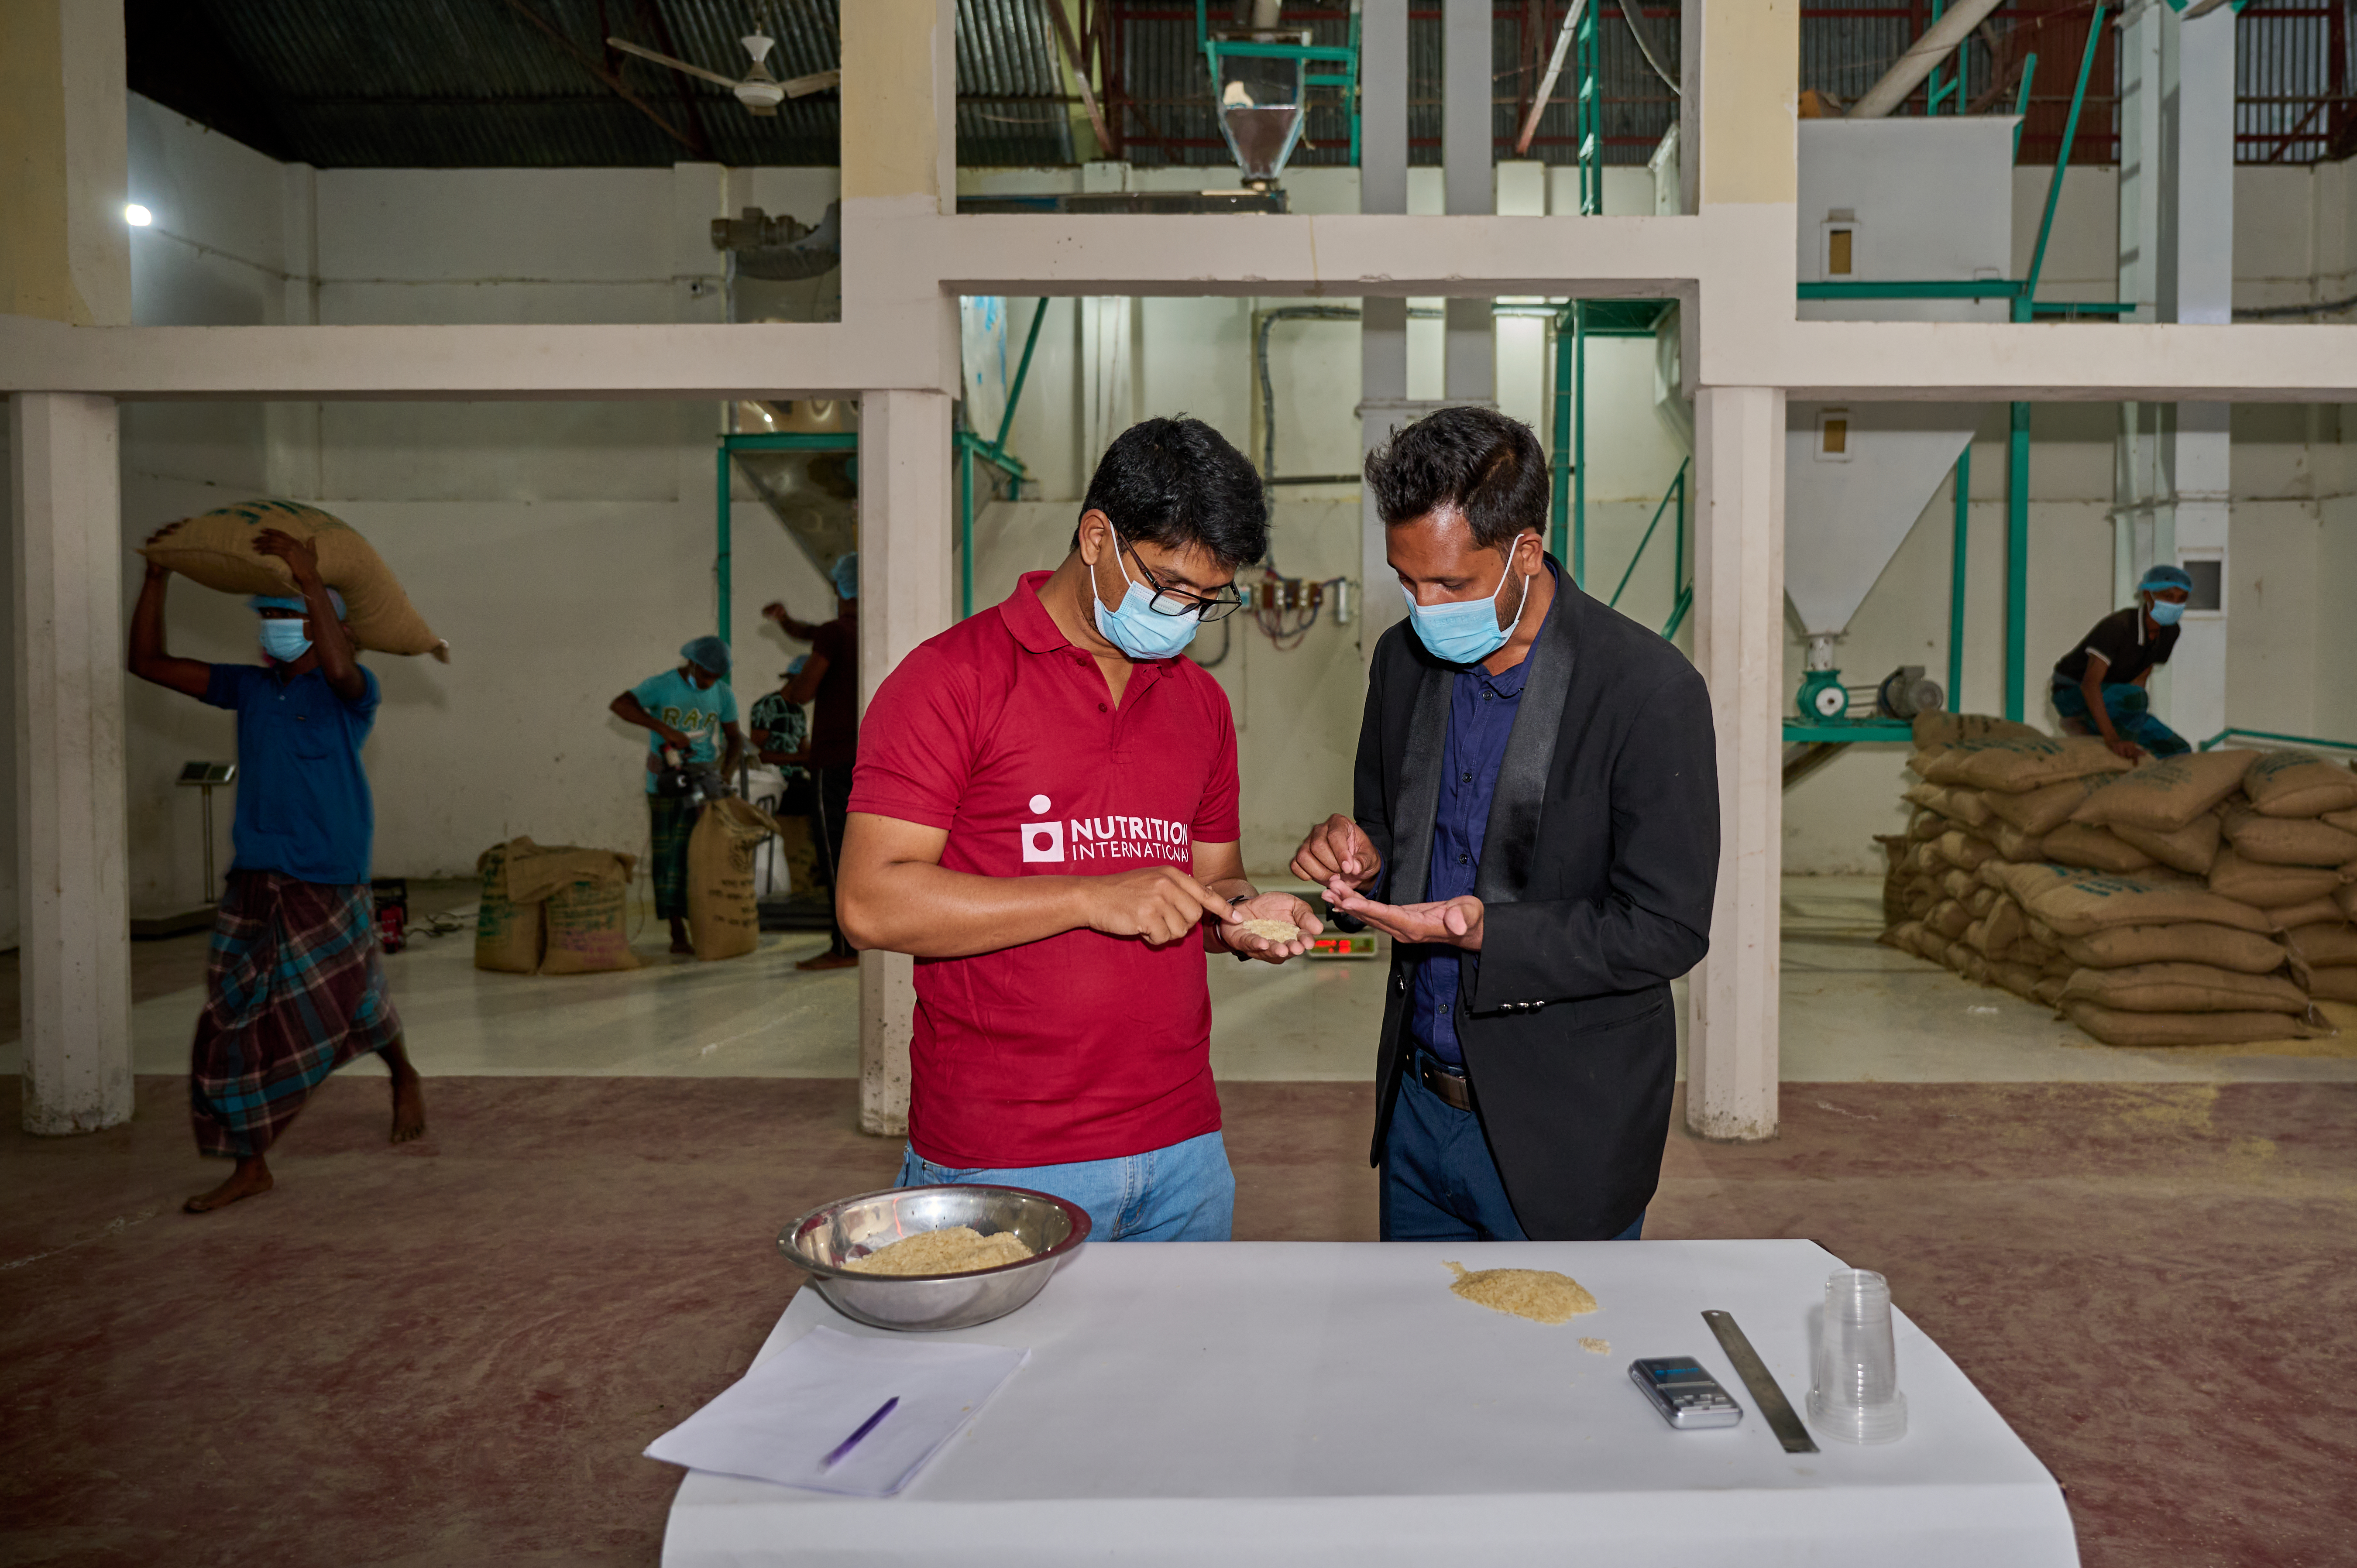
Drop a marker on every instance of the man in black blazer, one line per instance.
(1536, 826)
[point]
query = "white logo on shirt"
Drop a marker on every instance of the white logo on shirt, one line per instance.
(1102, 838)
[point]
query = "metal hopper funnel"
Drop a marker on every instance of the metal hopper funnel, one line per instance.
(1261, 105)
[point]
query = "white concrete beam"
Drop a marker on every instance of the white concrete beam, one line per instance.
(75, 957)
(905, 540)
(1738, 608)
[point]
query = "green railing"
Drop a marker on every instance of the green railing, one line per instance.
(2231, 733)
(1683, 599)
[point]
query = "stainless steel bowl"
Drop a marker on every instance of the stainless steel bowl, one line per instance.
(824, 1239)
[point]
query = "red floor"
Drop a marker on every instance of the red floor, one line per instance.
(451, 1353)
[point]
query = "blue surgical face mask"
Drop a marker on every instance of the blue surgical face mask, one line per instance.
(284, 641)
(1135, 627)
(2164, 613)
(1466, 631)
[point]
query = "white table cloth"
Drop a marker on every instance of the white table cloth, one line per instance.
(1333, 1403)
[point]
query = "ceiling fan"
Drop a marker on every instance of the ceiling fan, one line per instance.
(760, 90)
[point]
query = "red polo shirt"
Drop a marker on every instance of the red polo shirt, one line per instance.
(1080, 1046)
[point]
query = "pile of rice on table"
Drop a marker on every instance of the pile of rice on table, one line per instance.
(2203, 899)
(951, 1250)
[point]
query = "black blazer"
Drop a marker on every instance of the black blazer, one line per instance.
(1597, 874)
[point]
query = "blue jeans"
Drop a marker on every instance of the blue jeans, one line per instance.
(1439, 1182)
(2131, 709)
(1182, 1193)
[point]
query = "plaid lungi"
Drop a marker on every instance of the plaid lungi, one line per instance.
(293, 989)
(673, 820)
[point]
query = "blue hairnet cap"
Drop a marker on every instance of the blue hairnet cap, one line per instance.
(846, 575)
(707, 653)
(2160, 577)
(261, 602)
(794, 665)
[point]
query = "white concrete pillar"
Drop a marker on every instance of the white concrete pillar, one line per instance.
(1383, 322)
(74, 908)
(905, 509)
(1738, 468)
(1468, 362)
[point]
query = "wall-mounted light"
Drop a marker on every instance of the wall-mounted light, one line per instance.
(137, 216)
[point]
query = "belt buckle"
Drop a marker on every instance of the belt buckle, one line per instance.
(1454, 1088)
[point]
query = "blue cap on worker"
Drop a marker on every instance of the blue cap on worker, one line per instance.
(846, 575)
(707, 653)
(261, 602)
(2165, 576)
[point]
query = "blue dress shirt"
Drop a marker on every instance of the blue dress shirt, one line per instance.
(1482, 709)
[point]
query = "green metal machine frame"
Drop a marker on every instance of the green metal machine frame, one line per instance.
(965, 444)
(1346, 56)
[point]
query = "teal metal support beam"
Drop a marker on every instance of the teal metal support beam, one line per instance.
(2021, 102)
(1559, 459)
(1959, 564)
(2062, 163)
(720, 548)
(1588, 120)
(965, 530)
(2017, 563)
(1022, 372)
(1677, 492)
(1579, 437)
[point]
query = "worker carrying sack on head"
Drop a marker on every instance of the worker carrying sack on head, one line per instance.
(2099, 685)
(294, 985)
(684, 709)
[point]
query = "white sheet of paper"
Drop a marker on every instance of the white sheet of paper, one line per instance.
(781, 1420)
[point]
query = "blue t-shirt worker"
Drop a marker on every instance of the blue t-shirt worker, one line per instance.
(295, 984)
(686, 713)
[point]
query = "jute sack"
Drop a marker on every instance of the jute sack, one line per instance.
(2288, 840)
(1932, 945)
(2345, 820)
(2164, 796)
(2044, 809)
(2116, 1028)
(1980, 901)
(2048, 990)
(2338, 984)
(722, 918)
(1925, 826)
(1964, 806)
(2324, 946)
(1975, 936)
(1949, 918)
(1968, 964)
(2185, 988)
(1902, 935)
(2313, 912)
(2191, 849)
(2298, 784)
(2189, 942)
(588, 913)
(2075, 903)
(1960, 885)
(2269, 887)
(2345, 900)
(508, 935)
(1924, 859)
(216, 549)
(2012, 843)
(2094, 849)
(1963, 850)
(2008, 929)
(1934, 730)
(2021, 979)
(2015, 763)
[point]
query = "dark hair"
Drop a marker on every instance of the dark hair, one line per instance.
(1475, 460)
(1177, 482)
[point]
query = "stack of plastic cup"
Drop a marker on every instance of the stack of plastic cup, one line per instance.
(1857, 1396)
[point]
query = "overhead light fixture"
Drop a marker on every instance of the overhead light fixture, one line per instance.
(137, 216)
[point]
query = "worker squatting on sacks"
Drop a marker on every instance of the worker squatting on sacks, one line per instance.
(2099, 685)
(295, 984)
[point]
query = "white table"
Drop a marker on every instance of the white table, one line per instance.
(1332, 1403)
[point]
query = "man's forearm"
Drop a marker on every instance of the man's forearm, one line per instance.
(917, 907)
(2091, 690)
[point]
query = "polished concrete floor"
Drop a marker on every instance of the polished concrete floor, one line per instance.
(1853, 1012)
(452, 1351)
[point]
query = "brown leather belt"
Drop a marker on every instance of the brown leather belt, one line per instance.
(1452, 1087)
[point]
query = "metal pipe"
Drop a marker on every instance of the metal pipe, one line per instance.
(1559, 459)
(1937, 42)
(1022, 369)
(1268, 387)
(1679, 570)
(2016, 562)
(1652, 48)
(1547, 82)
(1579, 442)
(1959, 558)
(720, 546)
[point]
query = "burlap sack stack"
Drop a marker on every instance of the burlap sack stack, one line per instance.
(2121, 897)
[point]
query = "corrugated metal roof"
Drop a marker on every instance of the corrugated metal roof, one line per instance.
(476, 83)
(469, 83)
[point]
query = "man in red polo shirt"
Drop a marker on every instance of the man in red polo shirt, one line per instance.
(1044, 813)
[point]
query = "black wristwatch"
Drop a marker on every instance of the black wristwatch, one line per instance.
(1233, 900)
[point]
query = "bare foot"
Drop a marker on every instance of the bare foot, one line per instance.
(830, 961)
(250, 1179)
(408, 1094)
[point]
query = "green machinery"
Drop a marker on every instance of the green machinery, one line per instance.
(1261, 84)
(967, 447)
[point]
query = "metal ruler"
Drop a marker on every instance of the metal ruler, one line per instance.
(1774, 1409)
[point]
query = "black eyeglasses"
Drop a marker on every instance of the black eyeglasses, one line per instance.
(1169, 601)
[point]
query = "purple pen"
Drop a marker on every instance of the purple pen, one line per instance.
(852, 1441)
